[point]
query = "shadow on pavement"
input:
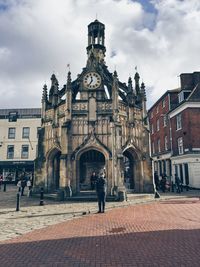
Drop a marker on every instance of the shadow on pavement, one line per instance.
(113, 249)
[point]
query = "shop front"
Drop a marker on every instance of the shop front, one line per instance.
(13, 171)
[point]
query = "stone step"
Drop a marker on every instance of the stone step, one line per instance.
(87, 196)
(139, 196)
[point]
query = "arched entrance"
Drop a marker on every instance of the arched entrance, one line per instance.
(90, 161)
(131, 169)
(54, 169)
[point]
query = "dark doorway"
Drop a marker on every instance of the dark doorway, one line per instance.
(186, 174)
(54, 170)
(90, 161)
(128, 170)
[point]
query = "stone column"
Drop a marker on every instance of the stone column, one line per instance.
(63, 171)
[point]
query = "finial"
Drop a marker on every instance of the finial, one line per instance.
(53, 76)
(44, 94)
(68, 66)
(137, 77)
(142, 85)
(69, 77)
(115, 74)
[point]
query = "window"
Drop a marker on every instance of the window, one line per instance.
(180, 145)
(151, 116)
(10, 152)
(157, 109)
(158, 145)
(165, 120)
(11, 133)
(166, 143)
(26, 132)
(24, 154)
(158, 125)
(12, 116)
(153, 148)
(152, 129)
(178, 122)
(163, 103)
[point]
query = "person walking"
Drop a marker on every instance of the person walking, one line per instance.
(101, 187)
(23, 184)
(163, 183)
(178, 183)
(29, 185)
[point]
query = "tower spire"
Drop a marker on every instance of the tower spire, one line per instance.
(96, 39)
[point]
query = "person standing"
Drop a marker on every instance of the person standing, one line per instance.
(178, 183)
(101, 187)
(23, 184)
(1, 181)
(156, 180)
(19, 185)
(163, 183)
(93, 180)
(29, 185)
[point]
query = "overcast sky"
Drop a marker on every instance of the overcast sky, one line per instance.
(40, 37)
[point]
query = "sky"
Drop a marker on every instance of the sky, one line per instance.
(41, 37)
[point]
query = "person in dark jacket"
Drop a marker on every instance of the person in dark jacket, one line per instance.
(163, 182)
(156, 180)
(178, 183)
(101, 186)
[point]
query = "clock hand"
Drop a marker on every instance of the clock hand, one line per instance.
(90, 81)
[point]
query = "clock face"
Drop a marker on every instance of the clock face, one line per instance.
(92, 80)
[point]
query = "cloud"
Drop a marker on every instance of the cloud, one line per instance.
(41, 37)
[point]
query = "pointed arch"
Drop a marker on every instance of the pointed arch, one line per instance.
(53, 168)
(132, 168)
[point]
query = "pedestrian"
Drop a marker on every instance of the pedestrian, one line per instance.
(178, 183)
(1, 181)
(163, 183)
(101, 187)
(156, 180)
(29, 185)
(93, 180)
(23, 184)
(19, 185)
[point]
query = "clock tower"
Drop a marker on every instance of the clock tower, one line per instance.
(92, 124)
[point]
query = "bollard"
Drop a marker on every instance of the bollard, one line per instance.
(4, 186)
(18, 201)
(41, 196)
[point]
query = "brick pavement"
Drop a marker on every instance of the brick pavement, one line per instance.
(32, 216)
(164, 233)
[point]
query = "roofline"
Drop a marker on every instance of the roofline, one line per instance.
(176, 90)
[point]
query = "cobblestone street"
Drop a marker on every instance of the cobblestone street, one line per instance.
(158, 233)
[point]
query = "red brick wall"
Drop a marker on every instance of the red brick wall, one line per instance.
(190, 131)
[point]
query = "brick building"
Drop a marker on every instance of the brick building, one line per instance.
(160, 132)
(175, 130)
(185, 122)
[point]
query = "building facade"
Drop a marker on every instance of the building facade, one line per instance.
(94, 123)
(161, 132)
(185, 121)
(174, 123)
(18, 142)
